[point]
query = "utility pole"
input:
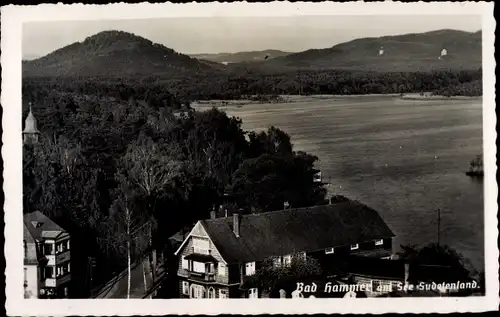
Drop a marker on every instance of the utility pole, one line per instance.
(439, 225)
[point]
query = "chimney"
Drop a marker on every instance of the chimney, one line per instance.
(236, 224)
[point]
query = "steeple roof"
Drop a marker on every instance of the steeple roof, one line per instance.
(30, 125)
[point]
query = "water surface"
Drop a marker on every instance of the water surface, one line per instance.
(405, 158)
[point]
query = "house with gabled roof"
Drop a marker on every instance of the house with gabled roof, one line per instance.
(219, 253)
(47, 260)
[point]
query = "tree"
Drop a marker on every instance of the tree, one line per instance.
(269, 277)
(148, 173)
(272, 141)
(456, 266)
(266, 182)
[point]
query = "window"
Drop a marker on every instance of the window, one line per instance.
(223, 293)
(197, 291)
(211, 292)
(250, 268)
(25, 249)
(210, 268)
(287, 260)
(277, 261)
(354, 246)
(201, 245)
(49, 272)
(63, 269)
(62, 246)
(329, 251)
(59, 248)
(379, 242)
(221, 270)
(253, 293)
(198, 267)
(185, 264)
(49, 248)
(185, 288)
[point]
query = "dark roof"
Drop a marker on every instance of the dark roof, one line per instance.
(287, 231)
(38, 224)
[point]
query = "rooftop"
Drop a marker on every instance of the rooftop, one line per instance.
(287, 231)
(39, 226)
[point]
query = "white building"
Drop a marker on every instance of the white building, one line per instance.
(30, 132)
(47, 261)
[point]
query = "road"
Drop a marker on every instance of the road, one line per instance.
(141, 282)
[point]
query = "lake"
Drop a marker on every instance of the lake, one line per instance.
(405, 158)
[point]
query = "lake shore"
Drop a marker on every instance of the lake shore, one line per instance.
(303, 98)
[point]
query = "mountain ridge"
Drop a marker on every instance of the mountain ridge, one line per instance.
(120, 54)
(115, 53)
(412, 51)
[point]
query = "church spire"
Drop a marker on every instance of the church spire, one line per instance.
(31, 132)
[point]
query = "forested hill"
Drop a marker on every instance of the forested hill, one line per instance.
(409, 52)
(116, 54)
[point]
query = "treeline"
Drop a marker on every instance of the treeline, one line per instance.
(238, 84)
(241, 83)
(123, 175)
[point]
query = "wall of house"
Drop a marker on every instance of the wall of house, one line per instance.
(386, 285)
(207, 288)
(342, 251)
(187, 249)
(31, 254)
(32, 281)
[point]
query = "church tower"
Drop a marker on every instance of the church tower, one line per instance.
(30, 133)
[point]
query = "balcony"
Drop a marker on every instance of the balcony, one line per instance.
(203, 277)
(59, 280)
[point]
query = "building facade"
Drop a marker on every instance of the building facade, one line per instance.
(220, 254)
(47, 258)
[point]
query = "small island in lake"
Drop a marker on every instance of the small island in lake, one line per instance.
(476, 167)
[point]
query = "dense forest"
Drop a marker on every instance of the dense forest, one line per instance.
(245, 82)
(116, 168)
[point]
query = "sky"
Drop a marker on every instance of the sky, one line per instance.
(235, 34)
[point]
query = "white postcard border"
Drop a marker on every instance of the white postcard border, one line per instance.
(13, 18)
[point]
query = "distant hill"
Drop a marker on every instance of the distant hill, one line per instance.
(116, 54)
(409, 52)
(241, 56)
(29, 57)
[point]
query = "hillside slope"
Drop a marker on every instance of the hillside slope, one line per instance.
(240, 57)
(116, 54)
(409, 52)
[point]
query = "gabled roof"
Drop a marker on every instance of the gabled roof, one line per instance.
(40, 226)
(287, 231)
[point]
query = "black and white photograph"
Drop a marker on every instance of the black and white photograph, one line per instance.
(282, 157)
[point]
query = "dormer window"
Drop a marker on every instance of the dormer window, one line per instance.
(36, 224)
(354, 246)
(379, 242)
